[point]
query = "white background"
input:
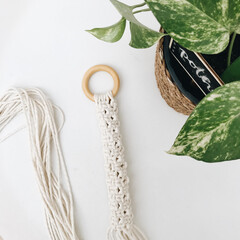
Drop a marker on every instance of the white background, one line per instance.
(43, 44)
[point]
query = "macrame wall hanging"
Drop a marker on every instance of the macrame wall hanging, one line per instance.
(122, 226)
(40, 116)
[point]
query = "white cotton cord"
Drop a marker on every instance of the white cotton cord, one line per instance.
(53, 182)
(121, 227)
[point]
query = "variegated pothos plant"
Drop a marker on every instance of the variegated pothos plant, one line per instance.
(211, 133)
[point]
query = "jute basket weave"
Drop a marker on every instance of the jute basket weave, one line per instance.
(169, 91)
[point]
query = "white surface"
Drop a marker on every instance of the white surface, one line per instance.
(43, 44)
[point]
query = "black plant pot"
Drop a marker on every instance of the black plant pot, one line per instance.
(195, 74)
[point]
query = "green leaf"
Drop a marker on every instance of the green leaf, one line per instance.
(199, 25)
(125, 11)
(212, 132)
(141, 36)
(232, 73)
(112, 33)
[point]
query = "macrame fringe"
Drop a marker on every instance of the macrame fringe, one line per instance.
(134, 233)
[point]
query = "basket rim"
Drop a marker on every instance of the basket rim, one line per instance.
(169, 91)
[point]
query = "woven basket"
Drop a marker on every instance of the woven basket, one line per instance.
(169, 91)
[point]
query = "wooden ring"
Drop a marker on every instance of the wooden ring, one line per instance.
(95, 69)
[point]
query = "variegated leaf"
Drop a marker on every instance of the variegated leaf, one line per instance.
(212, 132)
(141, 36)
(126, 11)
(110, 34)
(199, 25)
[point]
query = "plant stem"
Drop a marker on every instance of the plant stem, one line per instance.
(143, 10)
(230, 49)
(138, 5)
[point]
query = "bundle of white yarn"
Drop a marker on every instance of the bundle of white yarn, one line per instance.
(54, 183)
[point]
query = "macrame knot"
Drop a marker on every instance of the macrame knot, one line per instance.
(121, 227)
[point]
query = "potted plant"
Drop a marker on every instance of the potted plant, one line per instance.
(209, 30)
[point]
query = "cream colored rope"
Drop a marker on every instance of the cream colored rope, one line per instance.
(51, 172)
(121, 227)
